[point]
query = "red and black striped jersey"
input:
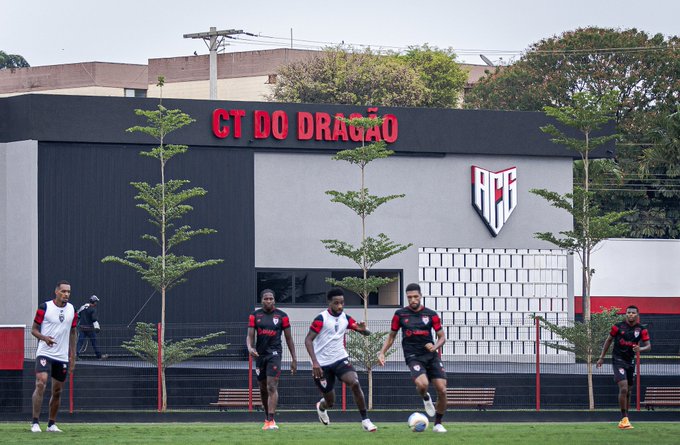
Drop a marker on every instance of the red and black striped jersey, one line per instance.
(416, 329)
(268, 327)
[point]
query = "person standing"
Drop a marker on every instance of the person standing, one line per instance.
(55, 328)
(330, 360)
(268, 323)
(88, 327)
(420, 351)
(629, 338)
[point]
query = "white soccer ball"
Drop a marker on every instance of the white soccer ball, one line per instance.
(418, 422)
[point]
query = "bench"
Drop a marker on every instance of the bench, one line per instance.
(661, 396)
(480, 398)
(237, 398)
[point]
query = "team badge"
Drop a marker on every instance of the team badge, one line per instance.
(61, 316)
(416, 367)
(494, 196)
(276, 321)
(64, 366)
(425, 319)
(43, 362)
(346, 362)
(637, 333)
(257, 371)
(622, 371)
(323, 382)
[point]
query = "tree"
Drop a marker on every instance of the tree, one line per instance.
(144, 346)
(165, 202)
(643, 70)
(364, 353)
(352, 78)
(12, 61)
(584, 338)
(372, 250)
(588, 115)
(442, 75)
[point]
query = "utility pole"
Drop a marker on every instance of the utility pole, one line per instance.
(213, 39)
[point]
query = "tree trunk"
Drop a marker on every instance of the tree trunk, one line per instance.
(164, 392)
(591, 395)
(370, 388)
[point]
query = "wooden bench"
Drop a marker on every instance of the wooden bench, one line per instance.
(237, 398)
(661, 396)
(480, 398)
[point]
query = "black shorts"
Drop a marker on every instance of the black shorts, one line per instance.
(430, 364)
(268, 366)
(58, 370)
(623, 371)
(331, 372)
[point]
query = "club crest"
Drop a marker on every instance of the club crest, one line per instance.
(622, 371)
(494, 196)
(257, 371)
(425, 319)
(416, 367)
(61, 316)
(637, 333)
(43, 362)
(276, 320)
(323, 382)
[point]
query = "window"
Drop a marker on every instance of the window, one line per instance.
(131, 92)
(308, 287)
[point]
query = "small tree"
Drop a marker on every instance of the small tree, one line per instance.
(364, 353)
(165, 202)
(372, 250)
(584, 339)
(144, 346)
(587, 115)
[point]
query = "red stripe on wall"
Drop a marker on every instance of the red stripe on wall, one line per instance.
(647, 305)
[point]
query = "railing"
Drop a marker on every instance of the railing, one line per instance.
(484, 358)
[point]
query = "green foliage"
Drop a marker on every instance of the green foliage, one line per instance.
(164, 202)
(372, 250)
(11, 61)
(145, 346)
(590, 226)
(423, 77)
(643, 70)
(442, 75)
(363, 350)
(584, 339)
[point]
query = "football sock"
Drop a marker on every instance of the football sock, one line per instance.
(624, 413)
(426, 397)
(35, 420)
(438, 418)
(364, 414)
(50, 423)
(270, 417)
(322, 405)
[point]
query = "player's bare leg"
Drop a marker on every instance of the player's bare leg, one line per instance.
(39, 393)
(55, 400)
(422, 385)
(624, 404)
(440, 387)
(272, 401)
(351, 379)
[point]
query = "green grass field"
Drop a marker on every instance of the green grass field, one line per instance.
(657, 433)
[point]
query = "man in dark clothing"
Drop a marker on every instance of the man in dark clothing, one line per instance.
(88, 327)
(629, 338)
(268, 323)
(420, 351)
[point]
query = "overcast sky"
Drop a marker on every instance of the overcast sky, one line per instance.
(48, 32)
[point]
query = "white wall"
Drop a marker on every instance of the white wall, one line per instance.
(19, 234)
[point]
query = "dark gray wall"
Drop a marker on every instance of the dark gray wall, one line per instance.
(87, 211)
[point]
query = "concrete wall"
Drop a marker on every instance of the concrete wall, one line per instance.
(292, 212)
(241, 88)
(19, 237)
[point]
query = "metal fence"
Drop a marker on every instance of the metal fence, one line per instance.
(483, 358)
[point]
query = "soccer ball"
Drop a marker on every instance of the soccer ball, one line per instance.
(418, 422)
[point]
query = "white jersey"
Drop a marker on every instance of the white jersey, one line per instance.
(55, 322)
(329, 343)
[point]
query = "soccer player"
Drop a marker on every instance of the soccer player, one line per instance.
(55, 328)
(269, 322)
(325, 345)
(420, 351)
(629, 337)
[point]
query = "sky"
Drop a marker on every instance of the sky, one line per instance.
(49, 32)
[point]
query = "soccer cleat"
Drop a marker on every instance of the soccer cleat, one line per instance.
(323, 415)
(367, 425)
(35, 428)
(439, 428)
(429, 406)
(270, 425)
(624, 424)
(53, 429)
